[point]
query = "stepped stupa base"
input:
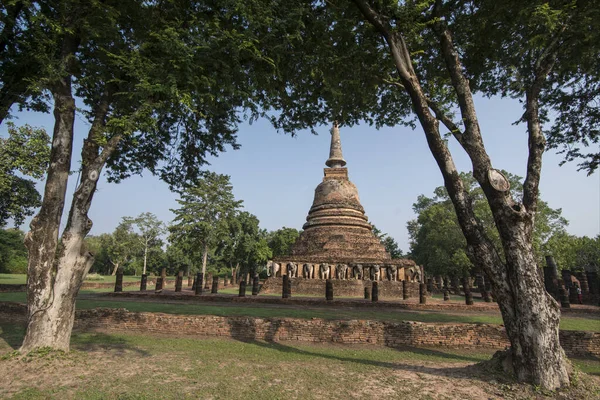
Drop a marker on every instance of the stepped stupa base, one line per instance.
(341, 288)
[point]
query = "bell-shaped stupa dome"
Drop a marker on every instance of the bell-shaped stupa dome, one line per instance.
(337, 229)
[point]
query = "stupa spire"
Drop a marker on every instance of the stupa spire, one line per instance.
(336, 159)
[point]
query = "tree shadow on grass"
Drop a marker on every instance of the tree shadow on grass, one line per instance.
(459, 372)
(12, 334)
(97, 341)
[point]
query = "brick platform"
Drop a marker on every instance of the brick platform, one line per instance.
(316, 330)
(341, 288)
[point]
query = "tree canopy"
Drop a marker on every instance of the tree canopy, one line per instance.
(205, 211)
(281, 241)
(437, 241)
(24, 153)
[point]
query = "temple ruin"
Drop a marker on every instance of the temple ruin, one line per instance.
(337, 241)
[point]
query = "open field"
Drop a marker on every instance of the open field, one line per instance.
(88, 300)
(111, 366)
(21, 279)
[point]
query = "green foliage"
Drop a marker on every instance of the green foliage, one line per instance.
(437, 241)
(25, 152)
(203, 219)
(281, 241)
(246, 245)
(574, 253)
(390, 244)
(146, 230)
(13, 254)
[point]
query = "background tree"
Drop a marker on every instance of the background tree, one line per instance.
(178, 258)
(437, 241)
(162, 84)
(205, 211)
(26, 152)
(390, 244)
(121, 245)
(97, 246)
(390, 63)
(574, 253)
(281, 241)
(246, 247)
(148, 229)
(13, 253)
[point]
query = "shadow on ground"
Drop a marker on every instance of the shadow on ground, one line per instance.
(466, 372)
(96, 341)
(11, 335)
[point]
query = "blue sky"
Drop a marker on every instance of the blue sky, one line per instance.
(275, 174)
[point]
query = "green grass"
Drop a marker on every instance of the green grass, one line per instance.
(265, 311)
(21, 279)
(137, 366)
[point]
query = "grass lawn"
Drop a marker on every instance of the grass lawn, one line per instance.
(121, 366)
(591, 323)
(21, 279)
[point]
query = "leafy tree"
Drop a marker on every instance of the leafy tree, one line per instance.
(246, 246)
(282, 240)
(437, 241)
(162, 84)
(13, 254)
(97, 245)
(177, 258)
(574, 253)
(25, 151)
(121, 246)
(390, 244)
(202, 220)
(148, 230)
(420, 62)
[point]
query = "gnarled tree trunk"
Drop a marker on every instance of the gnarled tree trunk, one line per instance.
(46, 321)
(56, 270)
(530, 315)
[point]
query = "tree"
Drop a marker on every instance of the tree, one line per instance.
(282, 240)
(574, 253)
(246, 246)
(437, 241)
(121, 245)
(177, 258)
(162, 84)
(97, 246)
(420, 62)
(202, 220)
(390, 244)
(26, 151)
(149, 228)
(13, 253)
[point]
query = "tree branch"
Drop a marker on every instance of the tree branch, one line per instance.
(536, 139)
(472, 229)
(447, 121)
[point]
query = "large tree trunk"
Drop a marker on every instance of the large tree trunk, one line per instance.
(44, 323)
(530, 315)
(56, 270)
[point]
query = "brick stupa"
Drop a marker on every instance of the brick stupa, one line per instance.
(337, 229)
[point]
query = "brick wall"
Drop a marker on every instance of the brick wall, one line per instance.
(391, 334)
(341, 288)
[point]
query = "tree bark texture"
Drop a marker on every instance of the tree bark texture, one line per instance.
(49, 319)
(530, 315)
(56, 268)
